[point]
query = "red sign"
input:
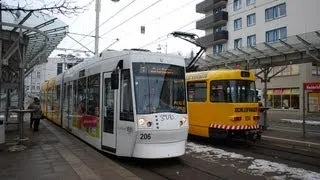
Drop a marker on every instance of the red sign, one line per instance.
(312, 86)
(89, 121)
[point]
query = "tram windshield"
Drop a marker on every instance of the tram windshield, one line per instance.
(159, 88)
(233, 91)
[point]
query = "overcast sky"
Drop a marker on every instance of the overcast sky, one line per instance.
(160, 19)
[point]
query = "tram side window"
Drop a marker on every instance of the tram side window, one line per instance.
(81, 98)
(58, 94)
(126, 105)
(74, 96)
(197, 91)
(220, 91)
(93, 95)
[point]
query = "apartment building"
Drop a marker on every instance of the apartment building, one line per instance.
(231, 24)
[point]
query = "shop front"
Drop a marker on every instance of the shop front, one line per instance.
(283, 98)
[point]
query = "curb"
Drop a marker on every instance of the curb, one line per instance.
(294, 144)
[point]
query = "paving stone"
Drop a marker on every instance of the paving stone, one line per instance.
(54, 154)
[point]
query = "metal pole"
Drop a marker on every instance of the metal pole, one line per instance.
(7, 104)
(265, 94)
(304, 112)
(21, 85)
(96, 48)
(0, 66)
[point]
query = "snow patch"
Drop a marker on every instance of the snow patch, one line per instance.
(255, 166)
(300, 121)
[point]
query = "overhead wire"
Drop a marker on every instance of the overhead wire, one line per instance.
(127, 20)
(166, 35)
(166, 14)
(104, 22)
(157, 40)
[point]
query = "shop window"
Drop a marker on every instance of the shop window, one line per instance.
(283, 98)
(277, 101)
(295, 101)
(314, 102)
(295, 69)
(315, 69)
(285, 101)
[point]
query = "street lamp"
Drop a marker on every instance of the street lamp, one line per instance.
(98, 6)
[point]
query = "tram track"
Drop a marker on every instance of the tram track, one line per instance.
(299, 155)
(277, 152)
(174, 168)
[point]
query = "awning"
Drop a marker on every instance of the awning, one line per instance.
(295, 49)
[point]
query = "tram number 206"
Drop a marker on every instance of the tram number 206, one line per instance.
(145, 136)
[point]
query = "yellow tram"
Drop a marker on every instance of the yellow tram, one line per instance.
(223, 102)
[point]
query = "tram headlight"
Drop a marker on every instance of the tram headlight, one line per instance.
(184, 120)
(141, 121)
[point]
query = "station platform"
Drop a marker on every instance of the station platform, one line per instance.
(52, 153)
(292, 139)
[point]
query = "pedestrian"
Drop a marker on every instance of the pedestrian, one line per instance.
(36, 114)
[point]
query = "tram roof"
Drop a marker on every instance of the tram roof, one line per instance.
(219, 74)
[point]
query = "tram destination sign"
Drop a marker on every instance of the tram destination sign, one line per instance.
(312, 86)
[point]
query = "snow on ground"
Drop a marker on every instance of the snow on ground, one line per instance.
(300, 121)
(254, 166)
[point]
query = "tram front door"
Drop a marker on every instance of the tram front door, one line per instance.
(109, 115)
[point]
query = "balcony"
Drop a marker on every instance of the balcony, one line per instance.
(208, 5)
(220, 37)
(212, 21)
(213, 39)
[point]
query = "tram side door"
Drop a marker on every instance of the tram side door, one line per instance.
(109, 115)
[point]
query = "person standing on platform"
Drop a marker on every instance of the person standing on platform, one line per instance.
(36, 114)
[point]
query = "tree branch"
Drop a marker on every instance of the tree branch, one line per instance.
(64, 7)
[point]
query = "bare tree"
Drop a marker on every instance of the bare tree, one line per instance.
(64, 7)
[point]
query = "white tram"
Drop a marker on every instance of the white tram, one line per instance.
(129, 103)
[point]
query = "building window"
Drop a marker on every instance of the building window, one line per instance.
(283, 98)
(251, 40)
(38, 74)
(33, 87)
(276, 34)
(236, 5)
(251, 19)
(59, 68)
(237, 24)
(290, 70)
(38, 86)
(276, 12)
(249, 2)
(315, 69)
(238, 43)
(219, 48)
